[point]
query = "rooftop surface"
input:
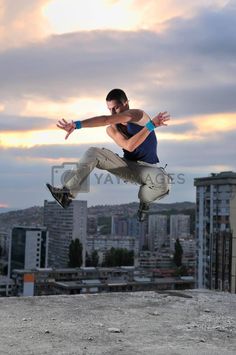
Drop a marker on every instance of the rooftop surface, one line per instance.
(170, 323)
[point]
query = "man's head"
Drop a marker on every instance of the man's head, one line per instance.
(117, 101)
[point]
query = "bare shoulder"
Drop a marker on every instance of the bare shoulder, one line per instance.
(138, 116)
(135, 114)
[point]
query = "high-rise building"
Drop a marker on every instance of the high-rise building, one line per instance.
(119, 225)
(138, 230)
(179, 226)
(189, 252)
(216, 231)
(28, 248)
(157, 231)
(64, 225)
(92, 224)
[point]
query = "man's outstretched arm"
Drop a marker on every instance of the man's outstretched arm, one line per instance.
(123, 117)
(97, 121)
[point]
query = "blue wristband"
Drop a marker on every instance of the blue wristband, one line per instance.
(78, 124)
(150, 126)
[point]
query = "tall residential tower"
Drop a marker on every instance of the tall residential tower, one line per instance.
(216, 231)
(64, 225)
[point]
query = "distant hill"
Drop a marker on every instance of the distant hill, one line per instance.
(131, 208)
(33, 216)
(5, 209)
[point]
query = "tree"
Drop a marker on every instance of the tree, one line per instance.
(94, 258)
(178, 253)
(75, 253)
(119, 257)
(88, 260)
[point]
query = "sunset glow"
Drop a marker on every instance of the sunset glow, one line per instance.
(69, 15)
(3, 205)
(72, 109)
(65, 16)
(51, 137)
(205, 125)
(221, 122)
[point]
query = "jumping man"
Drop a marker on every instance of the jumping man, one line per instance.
(133, 131)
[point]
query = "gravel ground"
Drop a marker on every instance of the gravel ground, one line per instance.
(170, 323)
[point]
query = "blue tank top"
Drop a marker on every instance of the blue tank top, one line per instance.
(146, 151)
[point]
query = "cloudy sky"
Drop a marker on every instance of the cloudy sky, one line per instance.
(59, 58)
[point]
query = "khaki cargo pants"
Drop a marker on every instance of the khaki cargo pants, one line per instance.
(154, 181)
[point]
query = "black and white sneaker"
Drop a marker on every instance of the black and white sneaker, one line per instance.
(143, 211)
(61, 195)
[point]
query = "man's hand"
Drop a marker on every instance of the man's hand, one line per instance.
(69, 127)
(160, 119)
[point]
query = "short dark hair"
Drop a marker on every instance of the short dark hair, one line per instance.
(118, 95)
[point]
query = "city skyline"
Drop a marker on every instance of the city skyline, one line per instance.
(60, 58)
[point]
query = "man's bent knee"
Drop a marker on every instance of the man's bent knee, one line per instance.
(93, 150)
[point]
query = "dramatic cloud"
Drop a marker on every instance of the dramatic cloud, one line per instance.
(196, 155)
(158, 11)
(181, 128)
(188, 69)
(19, 123)
(75, 15)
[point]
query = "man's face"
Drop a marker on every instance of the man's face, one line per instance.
(115, 106)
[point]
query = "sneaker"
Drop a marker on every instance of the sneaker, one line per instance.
(143, 211)
(61, 195)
